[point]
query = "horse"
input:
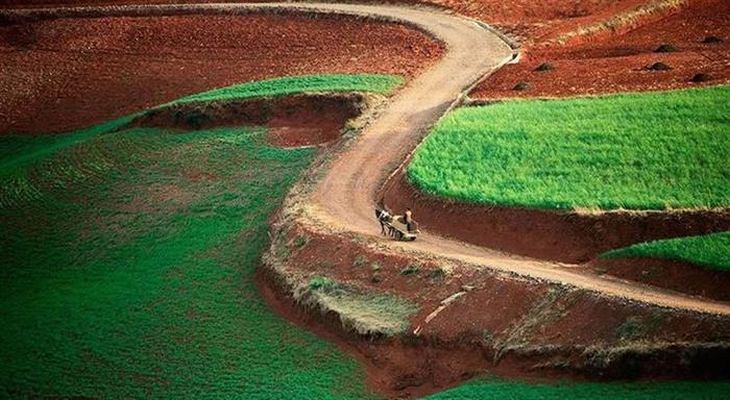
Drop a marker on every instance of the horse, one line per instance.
(385, 218)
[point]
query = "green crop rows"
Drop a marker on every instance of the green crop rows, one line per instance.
(633, 151)
(709, 251)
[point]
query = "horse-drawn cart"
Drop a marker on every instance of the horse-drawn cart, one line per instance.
(395, 226)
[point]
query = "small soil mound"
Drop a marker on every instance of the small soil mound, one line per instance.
(521, 86)
(666, 48)
(675, 275)
(544, 67)
(292, 121)
(712, 40)
(698, 78)
(659, 66)
(614, 62)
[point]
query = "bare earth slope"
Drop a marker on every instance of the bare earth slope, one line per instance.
(345, 196)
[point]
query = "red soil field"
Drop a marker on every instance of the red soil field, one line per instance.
(58, 75)
(525, 18)
(617, 63)
(611, 62)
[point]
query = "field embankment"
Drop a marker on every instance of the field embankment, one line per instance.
(696, 265)
(291, 121)
(568, 180)
(470, 320)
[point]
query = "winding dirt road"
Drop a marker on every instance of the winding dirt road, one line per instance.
(345, 196)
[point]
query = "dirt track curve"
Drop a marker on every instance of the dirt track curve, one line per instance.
(345, 196)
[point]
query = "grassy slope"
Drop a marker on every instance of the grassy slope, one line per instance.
(129, 268)
(483, 390)
(636, 151)
(133, 275)
(709, 251)
(298, 84)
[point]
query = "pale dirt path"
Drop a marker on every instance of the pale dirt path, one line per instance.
(345, 196)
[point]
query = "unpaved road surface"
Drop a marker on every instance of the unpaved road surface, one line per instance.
(345, 197)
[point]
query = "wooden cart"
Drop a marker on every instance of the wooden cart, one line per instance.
(398, 229)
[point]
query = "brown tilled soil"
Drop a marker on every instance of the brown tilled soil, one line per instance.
(292, 121)
(58, 75)
(680, 276)
(610, 62)
(523, 18)
(617, 63)
(501, 325)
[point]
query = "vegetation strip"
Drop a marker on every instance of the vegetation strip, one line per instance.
(365, 312)
(650, 151)
(500, 389)
(709, 251)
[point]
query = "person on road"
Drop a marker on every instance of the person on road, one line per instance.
(408, 219)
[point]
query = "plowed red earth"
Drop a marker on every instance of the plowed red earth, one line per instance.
(617, 63)
(524, 18)
(57, 75)
(608, 63)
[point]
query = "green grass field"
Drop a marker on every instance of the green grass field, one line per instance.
(385, 84)
(131, 276)
(504, 390)
(128, 262)
(633, 151)
(709, 251)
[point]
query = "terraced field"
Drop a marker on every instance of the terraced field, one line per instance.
(130, 267)
(636, 151)
(130, 271)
